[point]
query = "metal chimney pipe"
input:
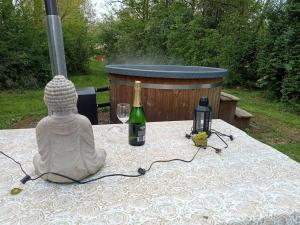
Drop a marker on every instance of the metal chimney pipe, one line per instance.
(55, 39)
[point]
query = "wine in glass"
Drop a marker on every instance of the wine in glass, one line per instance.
(123, 111)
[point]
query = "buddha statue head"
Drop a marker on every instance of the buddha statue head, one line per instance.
(60, 96)
(65, 139)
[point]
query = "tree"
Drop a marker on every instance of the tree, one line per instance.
(23, 52)
(256, 40)
(291, 82)
(24, 60)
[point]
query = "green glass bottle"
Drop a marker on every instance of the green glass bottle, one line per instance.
(137, 119)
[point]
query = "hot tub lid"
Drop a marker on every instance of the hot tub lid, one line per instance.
(166, 71)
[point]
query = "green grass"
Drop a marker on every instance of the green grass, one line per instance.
(272, 123)
(292, 150)
(17, 105)
(97, 77)
(254, 102)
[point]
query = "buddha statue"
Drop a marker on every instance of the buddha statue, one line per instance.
(65, 138)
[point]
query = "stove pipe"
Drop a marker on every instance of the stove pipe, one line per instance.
(55, 39)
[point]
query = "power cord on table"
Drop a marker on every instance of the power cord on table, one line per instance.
(219, 135)
(141, 171)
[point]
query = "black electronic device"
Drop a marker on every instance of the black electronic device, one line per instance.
(87, 104)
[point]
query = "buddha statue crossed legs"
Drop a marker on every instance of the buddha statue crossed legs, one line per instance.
(65, 139)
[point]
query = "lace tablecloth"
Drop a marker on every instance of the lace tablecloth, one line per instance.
(248, 183)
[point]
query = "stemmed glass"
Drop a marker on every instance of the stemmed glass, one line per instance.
(123, 111)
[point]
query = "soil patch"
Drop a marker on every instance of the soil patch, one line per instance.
(272, 131)
(28, 122)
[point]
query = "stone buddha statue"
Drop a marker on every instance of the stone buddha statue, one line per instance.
(65, 139)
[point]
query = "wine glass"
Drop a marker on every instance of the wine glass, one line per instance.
(123, 111)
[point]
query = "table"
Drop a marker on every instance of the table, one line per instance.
(248, 183)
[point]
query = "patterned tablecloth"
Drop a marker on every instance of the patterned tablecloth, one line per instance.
(248, 183)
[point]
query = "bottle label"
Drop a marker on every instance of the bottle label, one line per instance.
(137, 132)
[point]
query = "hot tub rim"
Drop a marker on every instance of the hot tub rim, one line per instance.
(124, 69)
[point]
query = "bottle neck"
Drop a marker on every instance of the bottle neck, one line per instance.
(137, 97)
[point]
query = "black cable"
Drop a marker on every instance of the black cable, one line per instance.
(141, 171)
(222, 134)
(28, 177)
(171, 160)
(15, 162)
(218, 150)
(87, 181)
(218, 134)
(221, 139)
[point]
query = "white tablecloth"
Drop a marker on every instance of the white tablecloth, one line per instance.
(248, 183)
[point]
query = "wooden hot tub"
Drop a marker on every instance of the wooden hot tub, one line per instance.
(169, 92)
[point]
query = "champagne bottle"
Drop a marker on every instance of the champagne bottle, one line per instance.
(137, 120)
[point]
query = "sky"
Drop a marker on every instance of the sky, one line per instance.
(100, 8)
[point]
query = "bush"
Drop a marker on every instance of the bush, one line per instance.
(279, 60)
(23, 49)
(24, 56)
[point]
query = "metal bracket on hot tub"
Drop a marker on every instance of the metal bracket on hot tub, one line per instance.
(168, 86)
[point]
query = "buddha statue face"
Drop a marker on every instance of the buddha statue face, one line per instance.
(60, 96)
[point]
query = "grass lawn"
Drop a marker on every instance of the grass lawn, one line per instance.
(29, 104)
(270, 124)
